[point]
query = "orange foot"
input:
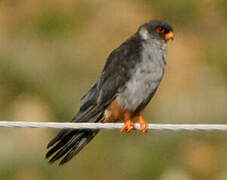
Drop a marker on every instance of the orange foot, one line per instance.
(128, 126)
(143, 124)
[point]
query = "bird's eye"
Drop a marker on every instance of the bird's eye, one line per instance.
(160, 30)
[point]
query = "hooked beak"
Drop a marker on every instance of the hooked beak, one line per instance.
(169, 36)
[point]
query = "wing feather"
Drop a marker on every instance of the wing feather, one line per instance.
(115, 74)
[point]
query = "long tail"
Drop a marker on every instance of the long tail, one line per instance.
(69, 142)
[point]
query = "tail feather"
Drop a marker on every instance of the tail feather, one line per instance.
(76, 149)
(60, 144)
(69, 142)
(64, 149)
(60, 135)
(70, 145)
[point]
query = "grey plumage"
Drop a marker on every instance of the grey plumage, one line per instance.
(146, 76)
(131, 74)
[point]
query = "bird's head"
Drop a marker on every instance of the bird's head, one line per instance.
(156, 30)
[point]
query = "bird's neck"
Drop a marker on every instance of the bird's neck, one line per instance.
(155, 50)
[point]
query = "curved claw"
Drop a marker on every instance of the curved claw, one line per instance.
(128, 126)
(143, 124)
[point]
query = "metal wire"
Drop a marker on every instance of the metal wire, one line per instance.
(172, 127)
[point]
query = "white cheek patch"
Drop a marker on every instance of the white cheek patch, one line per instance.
(144, 33)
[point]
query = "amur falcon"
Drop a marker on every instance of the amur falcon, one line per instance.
(129, 80)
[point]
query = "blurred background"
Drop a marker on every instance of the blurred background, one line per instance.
(51, 51)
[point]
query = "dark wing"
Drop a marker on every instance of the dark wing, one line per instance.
(117, 70)
(115, 74)
(113, 78)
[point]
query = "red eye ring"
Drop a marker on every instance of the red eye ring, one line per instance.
(160, 30)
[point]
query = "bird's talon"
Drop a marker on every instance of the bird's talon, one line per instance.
(143, 125)
(128, 126)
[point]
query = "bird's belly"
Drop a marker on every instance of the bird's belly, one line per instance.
(140, 87)
(131, 99)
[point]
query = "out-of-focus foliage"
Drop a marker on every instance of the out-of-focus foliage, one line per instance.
(181, 12)
(52, 51)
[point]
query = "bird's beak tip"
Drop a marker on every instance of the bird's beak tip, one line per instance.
(169, 35)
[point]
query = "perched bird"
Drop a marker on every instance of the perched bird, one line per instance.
(129, 80)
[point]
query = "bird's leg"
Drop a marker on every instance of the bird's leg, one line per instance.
(143, 124)
(128, 125)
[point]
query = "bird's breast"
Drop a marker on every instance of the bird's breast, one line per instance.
(145, 78)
